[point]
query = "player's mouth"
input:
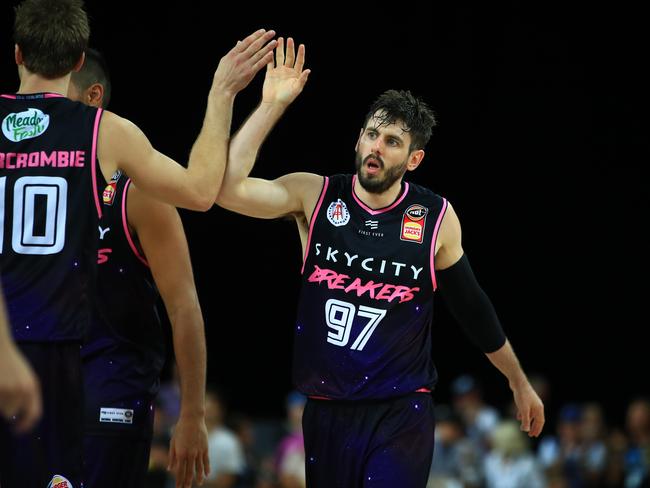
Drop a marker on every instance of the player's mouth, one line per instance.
(373, 164)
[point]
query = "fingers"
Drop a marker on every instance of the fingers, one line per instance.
(525, 420)
(22, 405)
(266, 60)
(290, 56)
(188, 463)
(257, 38)
(199, 469)
(172, 457)
(206, 463)
(259, 46)
(181, 474)
(279, 52)
(32, 411)
(303, 78)
(537, 423)
(300, 60)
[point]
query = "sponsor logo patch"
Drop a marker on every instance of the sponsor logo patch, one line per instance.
(59, 481)
(108, 197)
(338, 213)
(25, 125)
(116, 415)
(413, 222)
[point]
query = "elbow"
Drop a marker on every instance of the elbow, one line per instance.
(203, 201)
(204, 204)
(198, 203)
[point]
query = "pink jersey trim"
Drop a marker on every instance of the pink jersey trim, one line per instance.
(313, 219)
(45, 95)
(93, 159)
(380, 211)
(125, 224)
(433, 242)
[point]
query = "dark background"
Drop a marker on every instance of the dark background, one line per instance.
(541, 147)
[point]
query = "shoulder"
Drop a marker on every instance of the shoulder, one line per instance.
(424, 192)
(114, 126)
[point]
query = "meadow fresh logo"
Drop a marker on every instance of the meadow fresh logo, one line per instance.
(25, 125)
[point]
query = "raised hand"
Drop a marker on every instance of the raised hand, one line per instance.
(239, 66)
(285, 78)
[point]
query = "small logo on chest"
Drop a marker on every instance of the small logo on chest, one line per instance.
(413, 222)
(338, 213)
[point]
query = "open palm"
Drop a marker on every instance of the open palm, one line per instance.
(285, 78)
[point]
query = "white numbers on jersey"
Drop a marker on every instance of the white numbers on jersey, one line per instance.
(339, 316)
(26, 189)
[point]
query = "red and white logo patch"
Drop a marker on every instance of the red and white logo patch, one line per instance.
(413, 222)
(108, 197)
(338, 213)
(59, 481)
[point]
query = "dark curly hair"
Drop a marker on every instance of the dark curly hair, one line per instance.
(413, 112)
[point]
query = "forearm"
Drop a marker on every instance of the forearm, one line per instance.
(246, 144)
(209, 154)
(471, 307)
(6, 340)
(190, 352)
(505, 360)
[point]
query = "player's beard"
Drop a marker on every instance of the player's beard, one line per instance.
(384, 179)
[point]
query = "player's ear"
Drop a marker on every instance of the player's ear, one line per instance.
(415, 158)
(356, 147)
(18, 54)
(95, 95)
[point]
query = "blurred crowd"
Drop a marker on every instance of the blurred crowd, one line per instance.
(478, 445)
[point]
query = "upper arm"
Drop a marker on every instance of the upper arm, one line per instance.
(294, 193)
(122, 145)
(449, 248)
(161, 235)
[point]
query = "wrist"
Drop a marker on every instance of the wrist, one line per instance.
(218, 92)
(273, 107)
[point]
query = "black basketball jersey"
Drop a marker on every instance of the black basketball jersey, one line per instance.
(126, 329)
(49, 207)
(364, 318)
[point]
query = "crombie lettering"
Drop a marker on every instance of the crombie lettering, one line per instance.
(43, 159)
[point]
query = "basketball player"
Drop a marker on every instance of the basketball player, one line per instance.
(142, 249)
(375, 249)
(49, 208)
(20, 395)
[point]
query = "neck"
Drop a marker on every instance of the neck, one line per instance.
(378, 200)
(32, 83)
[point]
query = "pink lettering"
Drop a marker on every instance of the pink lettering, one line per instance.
(369, 287)
(377, 291)
(385, 294)
(48, 160)
(21, 160)
(80, 157)
(54, 159)
(102, 255)
(33, 160)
